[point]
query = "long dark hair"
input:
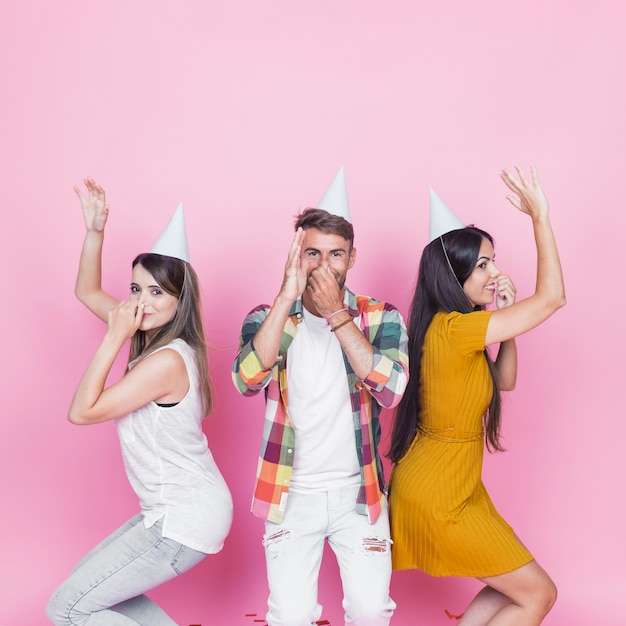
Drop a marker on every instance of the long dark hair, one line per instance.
(440, 289)
(179, 279)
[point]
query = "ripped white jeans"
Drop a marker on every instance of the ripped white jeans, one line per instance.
(293, 552)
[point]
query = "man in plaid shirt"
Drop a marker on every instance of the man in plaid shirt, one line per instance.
(328, 360)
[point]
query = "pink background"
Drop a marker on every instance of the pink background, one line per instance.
(244, 111)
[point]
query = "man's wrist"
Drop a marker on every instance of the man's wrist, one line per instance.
(339, 320)
(283, 303)
(341, 324)
(329, 317)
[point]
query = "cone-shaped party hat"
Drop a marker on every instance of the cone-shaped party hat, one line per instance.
(173, 240)
(442, 219)
(335, 198)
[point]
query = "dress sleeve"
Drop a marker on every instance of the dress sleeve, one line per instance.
(467, 331)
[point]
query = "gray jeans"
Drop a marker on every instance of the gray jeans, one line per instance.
(106, 588)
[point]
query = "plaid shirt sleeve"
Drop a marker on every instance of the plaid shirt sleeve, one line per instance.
(384, 328)
(248, 373)
(278, 443)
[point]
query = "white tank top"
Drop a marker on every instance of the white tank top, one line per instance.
(171, 469)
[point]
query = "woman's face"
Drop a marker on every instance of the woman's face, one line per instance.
(480, 287)
(159, 306)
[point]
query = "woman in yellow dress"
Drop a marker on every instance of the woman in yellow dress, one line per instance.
(443, 521)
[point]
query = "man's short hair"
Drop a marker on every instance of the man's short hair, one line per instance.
(326, 222)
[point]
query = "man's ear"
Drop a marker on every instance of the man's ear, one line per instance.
(352, 257)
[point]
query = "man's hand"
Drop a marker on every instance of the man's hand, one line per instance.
(294, 280)
(323, 289)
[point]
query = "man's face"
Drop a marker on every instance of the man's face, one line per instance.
(329, 251)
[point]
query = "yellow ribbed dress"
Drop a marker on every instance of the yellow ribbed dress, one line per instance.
(442, 519)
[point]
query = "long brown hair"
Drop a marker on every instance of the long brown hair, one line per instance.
(439, 288)
(179, 279)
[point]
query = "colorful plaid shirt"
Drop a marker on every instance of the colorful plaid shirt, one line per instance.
(384, 328)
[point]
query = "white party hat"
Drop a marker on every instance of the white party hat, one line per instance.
(173, 240)
(335, 198)
(442, 219)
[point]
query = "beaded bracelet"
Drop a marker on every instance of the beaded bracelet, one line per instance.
(334, 328)
(333, 314)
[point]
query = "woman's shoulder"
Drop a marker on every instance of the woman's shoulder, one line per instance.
(456, 317)
(178, 350)
(468, 330)
(179, 345)
(171, 355)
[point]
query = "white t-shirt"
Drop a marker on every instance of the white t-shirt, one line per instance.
(320, 410)
(171, 468)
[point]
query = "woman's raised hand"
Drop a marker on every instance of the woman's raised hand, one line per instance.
(511, 321)
(529, 197)
(95, 209)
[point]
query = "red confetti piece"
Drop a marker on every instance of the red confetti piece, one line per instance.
(451, 616)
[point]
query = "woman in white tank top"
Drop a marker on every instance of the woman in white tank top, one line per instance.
(159, 404)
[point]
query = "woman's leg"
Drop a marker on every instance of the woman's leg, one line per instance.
(109, 539)
(522, 597)
(483, 607)
(141, 610)
(120, 569)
